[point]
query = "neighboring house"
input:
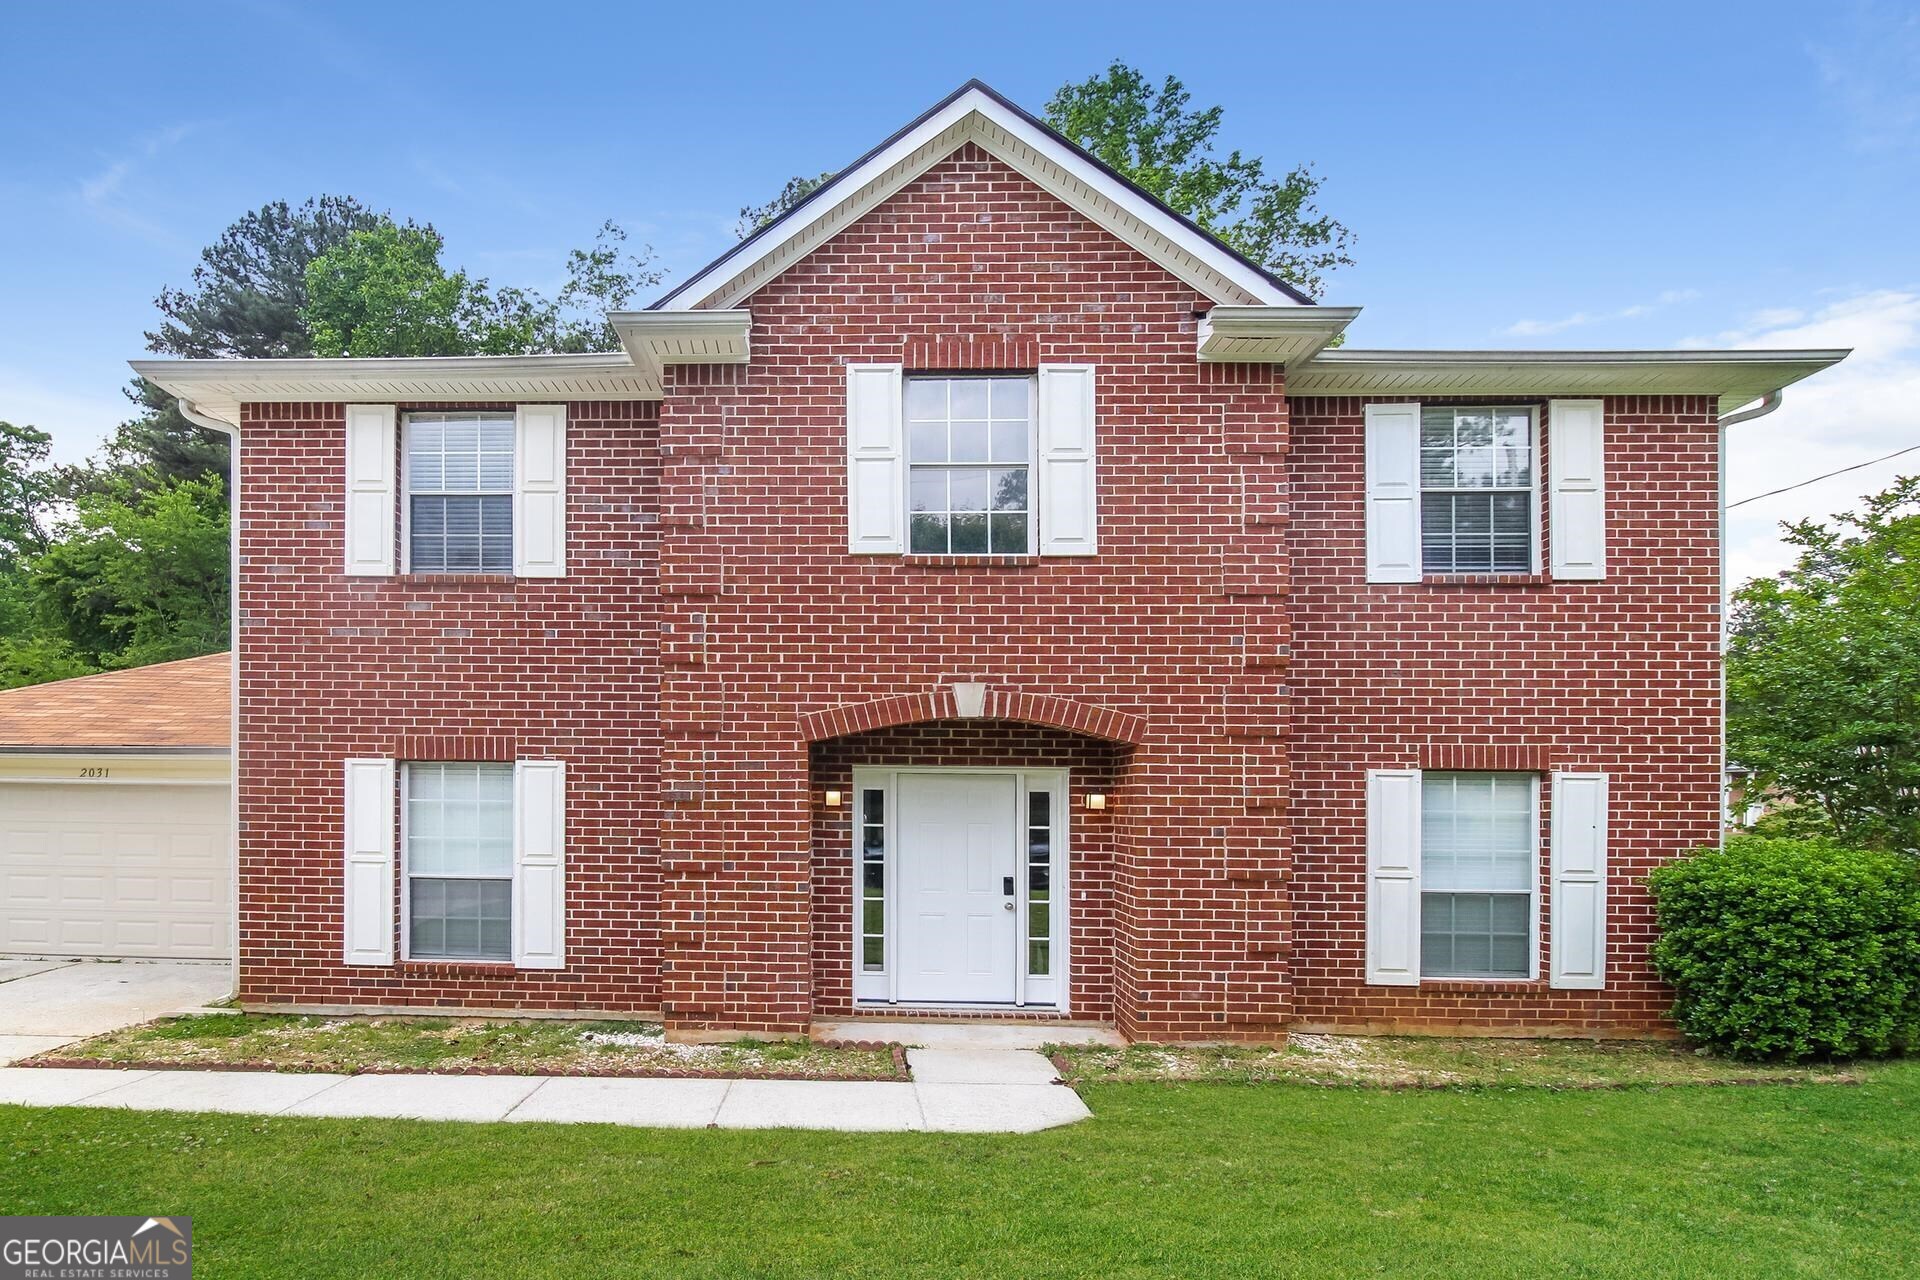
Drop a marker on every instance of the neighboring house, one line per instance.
(978, 593)
(116, 834)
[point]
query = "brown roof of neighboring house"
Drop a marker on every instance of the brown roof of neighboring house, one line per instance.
(169, 704)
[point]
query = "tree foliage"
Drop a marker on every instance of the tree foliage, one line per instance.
(1823, 671)
(1153, 136)
(755, 216)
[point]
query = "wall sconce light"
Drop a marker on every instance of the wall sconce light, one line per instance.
(1096, 801)
(833, 799)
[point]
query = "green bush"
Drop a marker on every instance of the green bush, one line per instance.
(1792, 949)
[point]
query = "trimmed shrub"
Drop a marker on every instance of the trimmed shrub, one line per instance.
(1792, 949)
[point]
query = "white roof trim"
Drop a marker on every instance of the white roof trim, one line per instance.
(1270, 335)
(655, 339)
(217, 388)
(1736, 377)
(976, 114)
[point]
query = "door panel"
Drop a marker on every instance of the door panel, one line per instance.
(957, 853)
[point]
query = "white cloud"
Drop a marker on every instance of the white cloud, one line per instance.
(1866, 406)
(101, 194)
(1539, 328)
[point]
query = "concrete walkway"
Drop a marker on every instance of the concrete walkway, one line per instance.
(953, 1091)
(47, 1003)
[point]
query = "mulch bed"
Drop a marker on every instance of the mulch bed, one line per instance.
(898, 1054)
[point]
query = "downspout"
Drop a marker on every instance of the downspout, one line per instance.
(192, 414)
(1768, 403)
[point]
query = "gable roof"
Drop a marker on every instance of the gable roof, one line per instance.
(169, 706)
(976, 113)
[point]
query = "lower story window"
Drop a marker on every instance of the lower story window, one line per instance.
(459, 860)
(873, 880)
(1478, 855)
(1039, 884)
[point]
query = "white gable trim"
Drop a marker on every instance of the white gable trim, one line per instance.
(976, 114)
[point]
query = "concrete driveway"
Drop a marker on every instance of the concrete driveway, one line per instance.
(48, 1003)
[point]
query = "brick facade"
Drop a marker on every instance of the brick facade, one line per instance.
(715, 659)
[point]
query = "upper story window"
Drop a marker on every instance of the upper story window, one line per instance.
(1477, 490)
(969, 448)
(459, 492)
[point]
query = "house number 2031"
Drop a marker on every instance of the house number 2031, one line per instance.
(95, 772)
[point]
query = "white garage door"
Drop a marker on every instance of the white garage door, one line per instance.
(116, 870)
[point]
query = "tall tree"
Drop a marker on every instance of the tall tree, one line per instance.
(243, 299)
(755, 216)
(1152, 135)
(1823, 671)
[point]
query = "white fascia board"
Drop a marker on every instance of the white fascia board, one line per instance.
(712, 283)
(217, 388)
(1736, 377)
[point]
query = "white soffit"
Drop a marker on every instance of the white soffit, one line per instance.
(1736, 377)
(1270, 335)
(977, 114)
(655, 339)
(217, 388)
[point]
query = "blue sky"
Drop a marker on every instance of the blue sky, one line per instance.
(1619, 175)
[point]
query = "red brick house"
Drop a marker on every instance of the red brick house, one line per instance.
(980, 593)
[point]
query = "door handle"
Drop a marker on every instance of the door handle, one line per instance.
(1006, 887)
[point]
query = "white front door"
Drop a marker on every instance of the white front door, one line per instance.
(957, 860)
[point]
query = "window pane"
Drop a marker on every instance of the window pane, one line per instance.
(1010, 489)
(968, 398)
(967, 489)
(1010, 399)
(459, 819)
(969, 535)
(1477, 832)
(1039, 920)
(873, 916)
(1039, 808)
(1010, 441)
(968, 441)
(1474, 935)
(874, 876)
(1009, 535)
(873, 954)
(927, 489)
(930, 534)
(1039, 874)
(1039, 959)
(464, 919)
(926, 399)
(873, 806)
(927, 442)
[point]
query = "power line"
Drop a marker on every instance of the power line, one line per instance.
(1817, 479)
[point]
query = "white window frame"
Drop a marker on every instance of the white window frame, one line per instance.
(1537, 456)
(1534, 904)
(406, 492)
(1032, 464)
(1051, 991)
(406, 874)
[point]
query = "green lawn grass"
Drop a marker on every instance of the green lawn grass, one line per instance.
(1167, 1179)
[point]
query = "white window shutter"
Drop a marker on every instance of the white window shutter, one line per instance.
(371, 504)
(876, 461)
(540, 491)
(1393, 877)
(1393, 492)
(367, 903)
(539, 864)
(1067, 486)
(1579, 881)
(1577, 511)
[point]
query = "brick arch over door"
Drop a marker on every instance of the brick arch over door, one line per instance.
(997, 704)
